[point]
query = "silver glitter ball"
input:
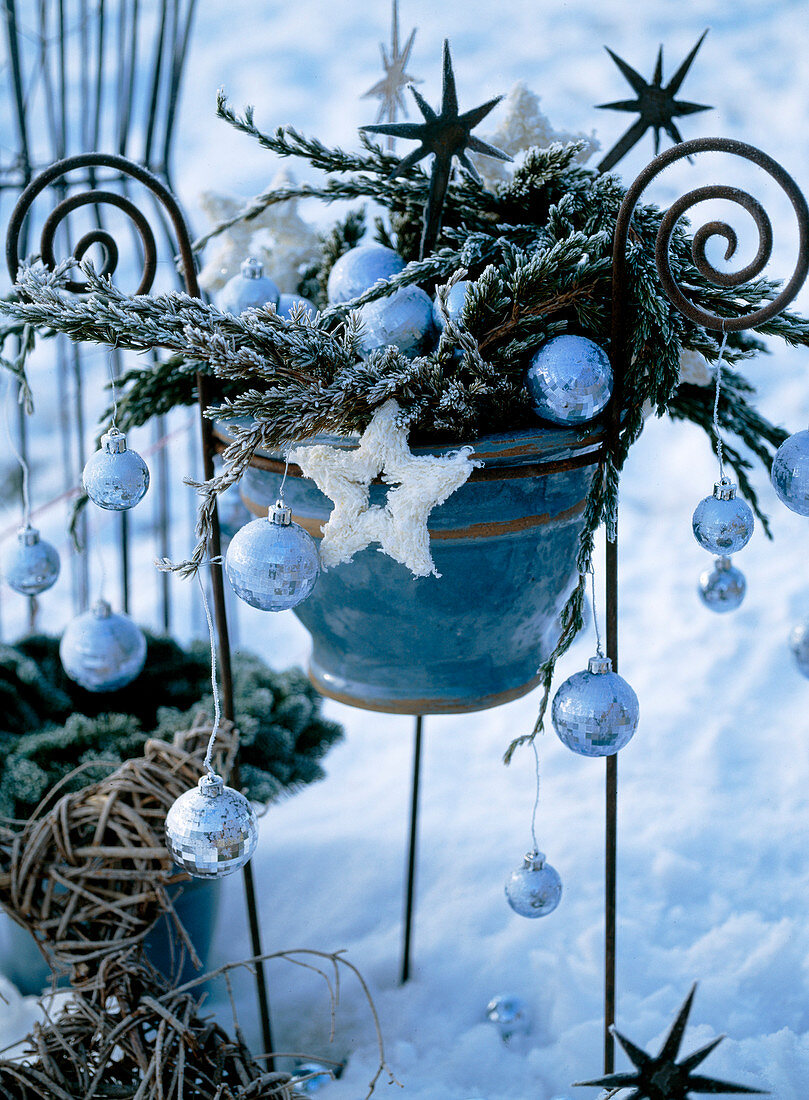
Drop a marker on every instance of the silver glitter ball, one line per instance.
(272, 563)
(722, 587)
(535, 889)
(311, 1077)
(102, 651)
(456, 300)
(31, 565)
(510, 1015)
(723, 523)
(595, 712)
(403, 319)
(790, 472)
(250, 289)
(358, 269)
(569, 380)
(115, 478)
(288, 302)
(212, 830)
(799, 644)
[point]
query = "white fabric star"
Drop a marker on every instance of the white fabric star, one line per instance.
(400, 525)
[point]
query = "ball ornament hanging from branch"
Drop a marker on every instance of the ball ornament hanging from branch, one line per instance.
(723, 523)
(211, 830)
(249, 289)
(272, 563)
(722, 587)
(790, 473)
(595, 712)
(31, 565)
(102, 651)
(535, 888)
(115, 478)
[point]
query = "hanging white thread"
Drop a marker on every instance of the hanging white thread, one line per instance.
(592, 572)
(112, 387)
(536, 801)
(284, 478)
(102, 568)
(214, 685)
(26, 497)
(719, 450)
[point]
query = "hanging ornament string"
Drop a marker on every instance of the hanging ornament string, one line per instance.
(113, 389)
(535, 848)
(719, 448)
(284, 478)
(102, 567)
(214, 679)
(26, 498)
(592, 572)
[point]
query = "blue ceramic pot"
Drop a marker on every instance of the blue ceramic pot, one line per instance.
(505, 544)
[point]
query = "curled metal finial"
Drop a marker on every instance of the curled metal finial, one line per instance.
(711, 229)
(101, 237)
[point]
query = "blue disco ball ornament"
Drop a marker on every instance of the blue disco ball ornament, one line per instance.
(723, 523)
(569, 380)
(790, 473)
(535, 889)
(595, 712)
(31, 565)
(722, 587)
(288, 302)
(510, 1015)
(102, 651)
(115, 478)
(212, 830)
(272, 563)
(456, 300)
(358, 269)
(403, 319)
(250, 289)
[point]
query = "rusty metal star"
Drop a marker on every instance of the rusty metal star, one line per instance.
(445, 134)
(663, 1078)
(655, 104)
(389, 89)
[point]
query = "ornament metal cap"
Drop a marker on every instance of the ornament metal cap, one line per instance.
(723, 563)
(101, 609)
(534, 861)
(28, 535)
(724, 489)
(599, 664)
(252, 268)
(280, 515)
(113, 442)
(211, 785)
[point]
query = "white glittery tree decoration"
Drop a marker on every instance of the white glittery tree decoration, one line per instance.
(421, 483)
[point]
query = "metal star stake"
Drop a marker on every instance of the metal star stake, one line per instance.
(389, 89)
(655, 104)
(662, 1078)
(446, 134)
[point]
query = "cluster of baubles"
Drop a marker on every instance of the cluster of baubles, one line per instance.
(211, 830)
(723, 524)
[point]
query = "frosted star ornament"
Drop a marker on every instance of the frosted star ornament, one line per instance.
(595, 712)
(359, 269)
(250, 289)
(102, 651)
(790, 473)
(569, 380)
(390, 88)
(723, 523)
(510, 1015)
(115, 478)
(722, 587)
(535, 888)
(272, 563)
(31, 565)
(212, 830)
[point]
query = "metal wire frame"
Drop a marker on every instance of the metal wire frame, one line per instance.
(620, 360)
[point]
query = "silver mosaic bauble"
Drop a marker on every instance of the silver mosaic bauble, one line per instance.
(456, 300)
(510, 1015)
(310, 1077)
(272, 563)
(569, 380)
(115, 478)
(799, 644)
(358, 269)
(212, 830)
(790, 472)
(723, 523)
(288, 302)
(102, 651)
(535, 889)
(595, 712)
(31, 565)
(250, 289)
(403, 319)
(722, 587)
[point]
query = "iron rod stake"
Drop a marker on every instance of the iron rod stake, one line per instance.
(411, 852)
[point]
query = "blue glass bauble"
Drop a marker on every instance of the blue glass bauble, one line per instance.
(535, 889)
(250, 289)
(790, 472)
(799, 644)
(569, 380)
(722, 587)
(272, 563)
(102, 651)
(723, 523)
(31, 565)
(212, 830)
(358, 269)
(115, 478)
(403, 319)
(310, 1077)
(456, 300)
(510, 1015)
(288, 302)
(595, 712)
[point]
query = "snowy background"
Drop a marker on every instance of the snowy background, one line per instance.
(713, 866)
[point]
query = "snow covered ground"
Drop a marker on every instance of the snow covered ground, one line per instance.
(713, 869)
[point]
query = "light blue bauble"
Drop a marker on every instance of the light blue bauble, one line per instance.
(403, 319)
(790, 472)
(799, 644)
(318, 1077)
(456, 300)
(31, 565)
(288, 302)
(510, 1015)
(115, 478)
(211, 830)
(358, 269)
(569, 380)
(723, 523)
(722, 587)
(595, 712)
(250, 289)
(102, 651)
(535, 889)
(272, 563)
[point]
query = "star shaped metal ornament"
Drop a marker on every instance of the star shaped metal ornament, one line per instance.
(445, 134)
(389, 89)
(663, 1078)
(655, 104)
